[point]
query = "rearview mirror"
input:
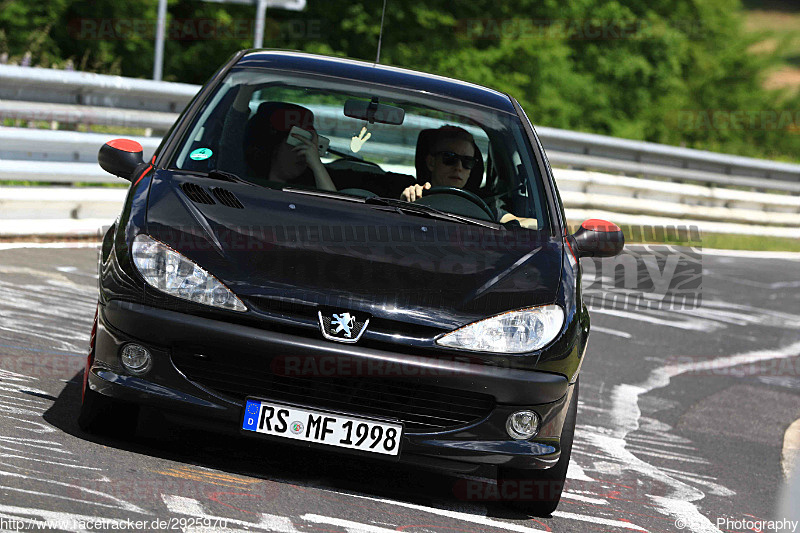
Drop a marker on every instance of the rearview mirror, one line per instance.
(120, 157)
(373, 112)
(597, 238)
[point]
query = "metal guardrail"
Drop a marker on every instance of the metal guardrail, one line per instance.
(27, 84)
(85, 98)
(35, 146)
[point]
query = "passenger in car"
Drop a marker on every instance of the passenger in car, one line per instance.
(267, 158)
(449, 157)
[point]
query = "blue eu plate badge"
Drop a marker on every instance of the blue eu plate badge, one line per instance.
(251, 415)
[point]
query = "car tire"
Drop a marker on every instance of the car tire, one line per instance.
(537, 492)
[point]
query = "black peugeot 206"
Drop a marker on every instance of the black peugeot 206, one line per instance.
(344, 255)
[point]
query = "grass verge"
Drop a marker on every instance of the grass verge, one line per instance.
(727, 241)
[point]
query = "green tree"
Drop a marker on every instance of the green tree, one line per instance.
(668, 71)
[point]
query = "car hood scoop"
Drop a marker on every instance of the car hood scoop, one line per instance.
(295, 250)
(199, 195)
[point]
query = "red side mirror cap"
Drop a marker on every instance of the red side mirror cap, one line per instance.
(120, 157)
(597, 238)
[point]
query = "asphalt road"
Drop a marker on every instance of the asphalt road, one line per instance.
(681, 423)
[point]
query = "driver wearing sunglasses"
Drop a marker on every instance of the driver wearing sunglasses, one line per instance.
(450, 161)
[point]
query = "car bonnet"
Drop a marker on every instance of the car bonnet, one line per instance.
(275, 248)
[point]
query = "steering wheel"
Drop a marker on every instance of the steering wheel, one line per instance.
(463, 193)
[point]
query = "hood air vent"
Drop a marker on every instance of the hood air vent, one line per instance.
(226, 197)
(197, 194)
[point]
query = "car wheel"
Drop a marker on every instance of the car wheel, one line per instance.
(537, 492)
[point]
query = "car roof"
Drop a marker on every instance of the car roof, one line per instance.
(381, 74)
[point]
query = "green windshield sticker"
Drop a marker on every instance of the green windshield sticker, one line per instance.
(201, 153)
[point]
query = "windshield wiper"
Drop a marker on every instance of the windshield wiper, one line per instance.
(324, 194)
(402, 206)
(225, 176)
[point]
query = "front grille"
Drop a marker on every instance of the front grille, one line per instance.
(422, 407)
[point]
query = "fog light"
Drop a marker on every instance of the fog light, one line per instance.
(136, 358)
(522, 425)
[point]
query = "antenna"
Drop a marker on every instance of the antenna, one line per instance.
(380, 37)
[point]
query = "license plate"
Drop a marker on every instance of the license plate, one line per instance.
(322, 427)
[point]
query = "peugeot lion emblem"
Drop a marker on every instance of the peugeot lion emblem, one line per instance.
(342, 326)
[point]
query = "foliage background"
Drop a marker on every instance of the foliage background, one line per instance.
(666, 71)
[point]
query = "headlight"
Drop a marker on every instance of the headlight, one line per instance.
(170, 272)
(520, 331)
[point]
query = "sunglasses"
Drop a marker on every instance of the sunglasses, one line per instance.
(450, 159)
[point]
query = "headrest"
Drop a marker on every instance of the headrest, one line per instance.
(269, 126)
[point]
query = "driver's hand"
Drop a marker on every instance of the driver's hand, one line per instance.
(411, 194)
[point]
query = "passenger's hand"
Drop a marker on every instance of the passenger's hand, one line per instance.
(411, 194)
(309, 148)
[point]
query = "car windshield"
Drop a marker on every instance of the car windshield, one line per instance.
(374, 140)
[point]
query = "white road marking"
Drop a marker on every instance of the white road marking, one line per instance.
(49, 462)
(661, 377)
(614, 332)
(627, 415)
(268, 522)
(34, 443)
(27, 452)
(598, 520)
(574, 471)
(347, 525)
(19, 456)
(661, 454)
(37, 401)
(753, 254)
(121, 504)
(691, 325)
(475, 519)
(581, 498)
(183, 505)
(636, 438)
(193, 508)
(740, 314)
(707, 481)
(41, 427)
(58, 497)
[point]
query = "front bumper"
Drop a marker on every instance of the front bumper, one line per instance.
(483, 441)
